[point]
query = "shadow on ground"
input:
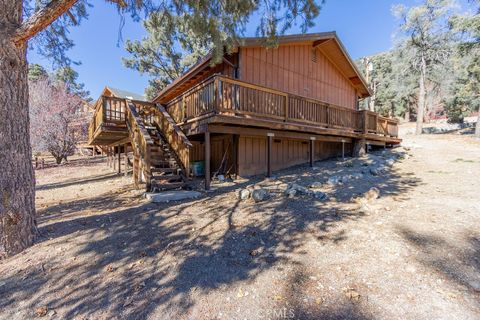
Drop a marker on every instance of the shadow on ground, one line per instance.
(131, 258)
(459, 264)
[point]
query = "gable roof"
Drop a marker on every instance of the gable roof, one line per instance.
(327, 42)
(119, 93)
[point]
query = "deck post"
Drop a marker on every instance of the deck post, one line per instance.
(312, 151)
(119, 160)
(343, 150)
(125, 155)
(235, 141)
(113, 159)
(207, 160)
(269, 153)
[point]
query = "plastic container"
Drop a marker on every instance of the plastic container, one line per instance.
(198, 168)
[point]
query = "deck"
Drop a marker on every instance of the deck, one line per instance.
(222, 104)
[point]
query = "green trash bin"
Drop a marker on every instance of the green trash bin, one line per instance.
(198, 168)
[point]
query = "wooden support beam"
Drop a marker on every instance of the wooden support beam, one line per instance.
(236, 139)
(113, 159)
(119, 160)
(269, 153)
(207, 160)
(312, 151)
(125, 153)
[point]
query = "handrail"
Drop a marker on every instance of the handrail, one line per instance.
(221, 94)
(141, 142)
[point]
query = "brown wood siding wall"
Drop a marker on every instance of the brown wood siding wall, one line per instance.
(220, 146)
(252, 153)
(291, 69)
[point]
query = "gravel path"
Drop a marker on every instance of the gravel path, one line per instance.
(413, 253)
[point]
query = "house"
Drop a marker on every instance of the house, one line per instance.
(259, 110)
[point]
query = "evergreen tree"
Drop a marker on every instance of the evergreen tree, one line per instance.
(36, 72)
(69, 78)
(425, 31)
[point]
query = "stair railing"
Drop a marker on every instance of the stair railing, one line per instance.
(177, 140)
(141, 143)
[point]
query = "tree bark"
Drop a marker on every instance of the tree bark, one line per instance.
(17, 183)
(421, 98)
(477, 127)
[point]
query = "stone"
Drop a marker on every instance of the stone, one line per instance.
(221, 177)
(290, 193)
(334, 180)
(244, 194)
(316, 185)
(372, 194)
(259, 195)
(299, 188)
(390, 162)
(167, 196)
(357, 176)
(475, 285)
(320, 195)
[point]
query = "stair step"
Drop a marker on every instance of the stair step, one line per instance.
(164, 170)
(167, 186)
(167, 177)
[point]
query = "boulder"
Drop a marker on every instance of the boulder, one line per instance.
(259, 195)
(320, 195)
(290, 193)
(300, 189)
(244, 194)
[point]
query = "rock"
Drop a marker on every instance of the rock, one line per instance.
(221, 177)
(167, 196)
(372, 194)
(259, 195)
(41, 311)
(346, 178)
(357, 176)
(374, 171)
(300, 189)
(333, 180)
(51, 313)
(390, 162)
(320, 195)
(316, 185)
(244, 194)
(290, 193)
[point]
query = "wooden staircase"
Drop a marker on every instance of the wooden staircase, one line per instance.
(166, 172)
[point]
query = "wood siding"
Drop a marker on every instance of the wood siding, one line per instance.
(252, 153)
(297, 69)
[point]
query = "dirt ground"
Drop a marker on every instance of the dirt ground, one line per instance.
(106, 253)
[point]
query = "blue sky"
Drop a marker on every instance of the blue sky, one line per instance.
(365, 27)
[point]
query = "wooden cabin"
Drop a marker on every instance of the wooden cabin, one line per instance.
(258, 110)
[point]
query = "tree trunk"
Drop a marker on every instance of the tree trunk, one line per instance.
(477, 127)
(17, 184)
(421, 98)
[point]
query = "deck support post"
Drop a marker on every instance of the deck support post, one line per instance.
(312, 151)
(119, 160)
(359, 147)
(235, 142)
(343, 150)
(125, 156)
(113, 159)
(207, 160)
(269, 154)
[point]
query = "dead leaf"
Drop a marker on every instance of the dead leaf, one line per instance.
(351, 294)
(41, 311)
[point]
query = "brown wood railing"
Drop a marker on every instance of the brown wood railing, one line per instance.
(141, 144)
(223, 95)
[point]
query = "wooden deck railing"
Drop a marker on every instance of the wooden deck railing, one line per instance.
(223, 95)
